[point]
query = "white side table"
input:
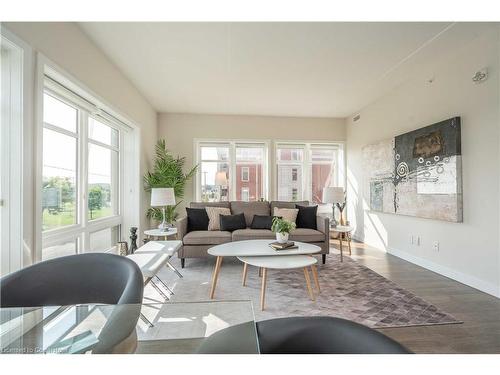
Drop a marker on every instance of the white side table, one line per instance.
(284, 262)
(343, 230)
(157, 234)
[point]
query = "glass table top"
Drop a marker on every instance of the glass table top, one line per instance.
(177, 327)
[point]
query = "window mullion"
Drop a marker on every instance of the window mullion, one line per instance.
(232, 168)
(83, 176)
(307, 165)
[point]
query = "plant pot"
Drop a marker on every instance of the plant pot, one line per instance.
(282, 237)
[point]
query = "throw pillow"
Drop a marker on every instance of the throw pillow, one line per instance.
(262, 222)
(306, 218)
(197, 219)
(232, 222)
(213, 216)
(289, 214)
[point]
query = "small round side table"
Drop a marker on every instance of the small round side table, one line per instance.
(157, 234)
(343, 229)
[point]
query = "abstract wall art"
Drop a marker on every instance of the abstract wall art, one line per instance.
(418, 173)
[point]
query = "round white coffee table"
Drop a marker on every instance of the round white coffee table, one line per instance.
(252, 248)
(282, 263)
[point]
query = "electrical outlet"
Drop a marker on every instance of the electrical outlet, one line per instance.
(435, 246)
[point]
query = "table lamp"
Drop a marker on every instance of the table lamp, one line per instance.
(335, 196)
(161, 197)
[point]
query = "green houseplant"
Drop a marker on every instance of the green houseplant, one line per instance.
(168, 172)
(282, 228)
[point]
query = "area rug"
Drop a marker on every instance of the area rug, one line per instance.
(349, 290)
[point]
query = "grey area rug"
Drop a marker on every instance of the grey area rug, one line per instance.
(349, 290)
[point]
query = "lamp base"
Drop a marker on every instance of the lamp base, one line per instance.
(163, 226)
(334, 222)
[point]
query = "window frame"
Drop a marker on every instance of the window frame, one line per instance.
(50, 77)
(15, 210)
(84, 227)
(233, 144)
(306, 163)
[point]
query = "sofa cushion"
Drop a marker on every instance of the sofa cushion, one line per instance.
(307, 235)
(250, 209)
(206, 237)
(197, 219)
(232, 222)
(253, 234)
(214, 216)
(262, 222)
(306, 218)
(209, 204)
(287, 204)
(289, 214)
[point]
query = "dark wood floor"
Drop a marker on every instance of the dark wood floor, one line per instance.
(480, 312)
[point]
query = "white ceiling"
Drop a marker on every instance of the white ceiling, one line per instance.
(281, 69)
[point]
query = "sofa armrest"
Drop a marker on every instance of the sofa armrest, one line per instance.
(323, 225)
(181, 225)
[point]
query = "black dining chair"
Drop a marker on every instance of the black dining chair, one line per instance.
(95, 278)
(323, 335)
(306, 335)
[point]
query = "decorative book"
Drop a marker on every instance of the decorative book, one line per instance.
(283, 246)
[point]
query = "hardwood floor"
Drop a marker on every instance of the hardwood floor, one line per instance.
(480, 312)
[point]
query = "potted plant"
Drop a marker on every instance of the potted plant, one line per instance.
(168, 172)
(282, 228)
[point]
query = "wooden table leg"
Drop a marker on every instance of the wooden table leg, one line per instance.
(245, 270)
(341, 248)
(263, 288)
(348, 235)
(315, 277)
(308, 282)
(215, 275)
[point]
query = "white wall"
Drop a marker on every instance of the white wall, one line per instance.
(180, 130)
(68, 47)
(469, 251)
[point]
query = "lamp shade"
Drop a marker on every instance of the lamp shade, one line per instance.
(333, 194)
(162, 197)
(221, 179)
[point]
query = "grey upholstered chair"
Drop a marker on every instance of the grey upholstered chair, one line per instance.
(78, 279)
(307, 335)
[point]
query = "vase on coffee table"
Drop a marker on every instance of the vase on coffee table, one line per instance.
(282, 237)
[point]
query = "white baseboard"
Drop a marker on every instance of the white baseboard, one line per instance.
(471, 281)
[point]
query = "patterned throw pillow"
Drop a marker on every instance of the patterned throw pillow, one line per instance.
(289, 214)
(213, 216)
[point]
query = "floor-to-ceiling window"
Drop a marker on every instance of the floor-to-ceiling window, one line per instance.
(80, 175)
